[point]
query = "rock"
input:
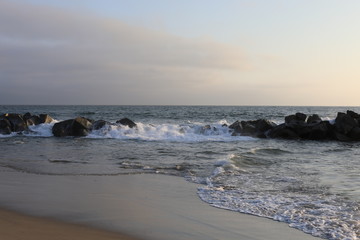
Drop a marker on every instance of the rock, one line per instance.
(290, 118)
(256, 128)
(297, 118)
(353, 114)
(248, 128)
(308, 128)
(347, 126)
(5, 126)
(63, 128)
(26, 116)
(320, 131)
(313, 129)
(33, 120)
(77, 127)
(301, 116)
(127, 122)
(236, 127)
(99, 124)
(341, 137)
(45, 118)
(313, 119)
(17, 122)
(36, 120)
(264, 125)
(282, 131)
(344, 123)
(354, 134)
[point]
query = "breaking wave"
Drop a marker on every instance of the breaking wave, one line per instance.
(190, 132)
(286, 198)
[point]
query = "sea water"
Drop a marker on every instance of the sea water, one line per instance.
(313, 186)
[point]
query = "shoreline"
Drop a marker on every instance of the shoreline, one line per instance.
(143, 206)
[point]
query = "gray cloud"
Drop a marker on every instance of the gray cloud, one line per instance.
(53, 56)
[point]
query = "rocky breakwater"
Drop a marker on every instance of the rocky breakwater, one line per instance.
(14, 122)
(80, 126)
(346, 127)
(299, 126)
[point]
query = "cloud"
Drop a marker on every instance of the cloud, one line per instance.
(74, 58)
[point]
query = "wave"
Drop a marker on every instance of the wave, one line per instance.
(189, 132)
(288, 199)
(195, 132)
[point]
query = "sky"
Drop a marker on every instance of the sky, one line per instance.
(180, 52)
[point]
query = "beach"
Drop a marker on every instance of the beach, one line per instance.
(180, 175)
(15, 226)
(144, 206)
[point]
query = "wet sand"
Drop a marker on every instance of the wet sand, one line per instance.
(14, 226)
(143, 206)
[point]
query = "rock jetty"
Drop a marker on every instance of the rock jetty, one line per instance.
(14, 122)
(346, 127)
(299, 126)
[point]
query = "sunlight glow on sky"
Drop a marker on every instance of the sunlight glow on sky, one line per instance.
(204, 52)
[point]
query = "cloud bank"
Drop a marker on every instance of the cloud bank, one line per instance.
(53, 56)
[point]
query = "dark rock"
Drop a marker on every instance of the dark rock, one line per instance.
(99, 124)
(354, 134)
(344, 123)
(301, 116)
(236, 127)
(316, 130)
(45, 118)
(33, 120)
(5, 126)
(127, 122)
(248, 128)
(302, 129)
(77, 127)
(290, 118)
(341, 137)
(256, 128)
(321, 131)
(17, 122)
(26, 116)
(282, 131)
(297, 118)
(264, 125)
(353, 114)
(313, 119)
(63, 128)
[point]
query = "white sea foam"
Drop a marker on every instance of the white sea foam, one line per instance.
(41, 130)
(8, 135)
(322, 215)
(194, 132)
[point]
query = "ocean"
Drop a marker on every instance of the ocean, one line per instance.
(314, 186)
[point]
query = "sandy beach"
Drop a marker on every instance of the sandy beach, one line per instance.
(15, 226)
(142, 206)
